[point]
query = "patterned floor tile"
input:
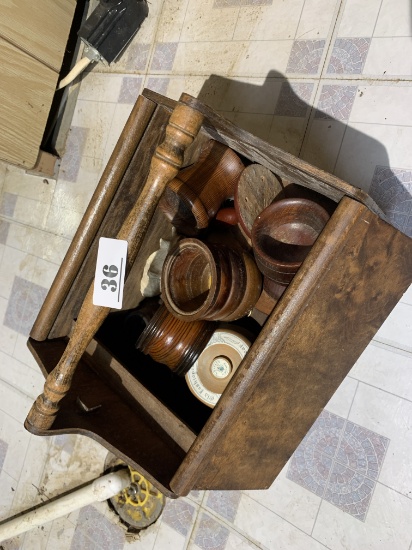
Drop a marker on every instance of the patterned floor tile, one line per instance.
(8, 204)
(335, 102)
(25, 302)
(225, 503)
(95, 532)
(158, 85)
(310, 469)
(293, 99)
(348, 55)
(130, 89)
(179, 515)
(210, 534)
(137, 57)
(349, 491)
(226, 3)
(163, 56)
(362, 450)
(391, 188)
(305, 56)
(76, 141)
(340, 462)
(4, 231)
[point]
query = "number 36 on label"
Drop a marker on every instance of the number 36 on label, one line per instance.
(110, 271)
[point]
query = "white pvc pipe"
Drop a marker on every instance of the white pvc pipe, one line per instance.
(101, 489)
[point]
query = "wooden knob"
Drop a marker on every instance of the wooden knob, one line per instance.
(209, 281)
(193, 198)
(283, 234)
(174, 343)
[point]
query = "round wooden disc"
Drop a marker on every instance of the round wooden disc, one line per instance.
(256, 189)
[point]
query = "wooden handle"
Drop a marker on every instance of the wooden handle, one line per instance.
(184, 124)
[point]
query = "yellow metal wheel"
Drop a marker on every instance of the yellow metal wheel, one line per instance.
(140, 504)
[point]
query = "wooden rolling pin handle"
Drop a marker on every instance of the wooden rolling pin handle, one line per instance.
(183, 126)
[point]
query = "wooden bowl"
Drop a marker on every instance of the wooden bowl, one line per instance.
(209, 281)
(283, 235)
(256, 189)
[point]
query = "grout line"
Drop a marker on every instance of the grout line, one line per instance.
(376, 20)
(311, 117)
(340, 147)
(390, 348)
(353, 400)
(232, 525)
(380, 389)
(316, 519)
(237, 20)
(394, 490)
(195, 524)
(331, 35)
(300, 17)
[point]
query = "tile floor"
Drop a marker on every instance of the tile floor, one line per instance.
(328, 80)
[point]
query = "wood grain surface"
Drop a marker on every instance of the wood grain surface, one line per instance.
(100, 202)
(114, 416)
(347, 286)
(183, 126)
(26, 91)
(283, 164)
(40, 29)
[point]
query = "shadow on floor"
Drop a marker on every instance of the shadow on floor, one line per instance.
(282, 114)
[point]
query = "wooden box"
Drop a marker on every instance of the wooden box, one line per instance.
(354, 275)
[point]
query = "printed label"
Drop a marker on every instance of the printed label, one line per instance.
(221, 366)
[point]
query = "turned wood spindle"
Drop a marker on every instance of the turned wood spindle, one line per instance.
(183, 126)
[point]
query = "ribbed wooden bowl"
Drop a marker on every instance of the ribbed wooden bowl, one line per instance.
(209, 281)
(283, 234)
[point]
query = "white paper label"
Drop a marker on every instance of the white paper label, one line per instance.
(110, 271)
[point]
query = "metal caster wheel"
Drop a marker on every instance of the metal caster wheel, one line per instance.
(140, 504)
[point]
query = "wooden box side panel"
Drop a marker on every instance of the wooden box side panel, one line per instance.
(117, 211)
(108, 413)
(95, 212)
(359, 269)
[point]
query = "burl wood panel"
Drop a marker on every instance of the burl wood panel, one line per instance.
(26, 92)
(40, 28)
(346, 288)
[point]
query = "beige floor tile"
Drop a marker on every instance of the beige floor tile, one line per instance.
(387, 525)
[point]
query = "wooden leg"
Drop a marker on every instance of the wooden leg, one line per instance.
(184, 125)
